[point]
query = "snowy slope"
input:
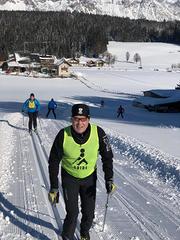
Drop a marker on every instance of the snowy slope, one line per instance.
(149, 9)
(156, 55)
(145, 145)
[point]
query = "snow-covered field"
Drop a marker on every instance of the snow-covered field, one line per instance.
(145, 144)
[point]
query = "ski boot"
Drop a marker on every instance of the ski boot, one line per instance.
(35, 130)
(85, 236)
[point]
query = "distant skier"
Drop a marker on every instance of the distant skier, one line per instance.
(102, 103)
(77, 147)
(32, 107)
(52, 105)
(120, 111)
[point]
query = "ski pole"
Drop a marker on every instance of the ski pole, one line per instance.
(23, 119)
(40, 122)
(105, 213)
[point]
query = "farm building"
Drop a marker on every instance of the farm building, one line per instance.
(91, 63)
(47, 60)
(100, 63)
(164, 101)
(73, 61)
(159, 93)
(17, 67)
(14, 66)
(62, 67)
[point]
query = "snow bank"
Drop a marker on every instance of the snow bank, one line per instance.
(149, 157)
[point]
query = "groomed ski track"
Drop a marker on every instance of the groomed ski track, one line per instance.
(139, 209)
(31, 153)
(42, 166)
(149, 227)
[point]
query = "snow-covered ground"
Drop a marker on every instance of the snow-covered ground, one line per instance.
(145, 144)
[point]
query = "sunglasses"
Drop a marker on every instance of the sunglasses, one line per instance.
(83, 119)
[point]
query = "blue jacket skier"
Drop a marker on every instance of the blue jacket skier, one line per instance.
(52, 105)
(32, 107)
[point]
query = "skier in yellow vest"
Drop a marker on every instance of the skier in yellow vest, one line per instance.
(32, 107)
(77, 148)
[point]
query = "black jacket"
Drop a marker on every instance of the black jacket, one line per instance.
(56, 153)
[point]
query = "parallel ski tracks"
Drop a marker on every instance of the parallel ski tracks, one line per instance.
(41, 150)
(151, 229)
(38, 155)
(25, 217)
(151, 198)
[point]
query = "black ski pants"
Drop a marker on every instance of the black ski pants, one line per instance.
(120, 113)
(53, 111)
(72, 189)
(32, 120)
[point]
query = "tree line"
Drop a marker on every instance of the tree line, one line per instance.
(71, 34)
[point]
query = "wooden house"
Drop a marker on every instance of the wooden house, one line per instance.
(73, 61)
(16, 67)
(169, 106)
(91, 63)
(159, 100)
(159, 93)
(100, 63)
(47, 60)
(62, 67)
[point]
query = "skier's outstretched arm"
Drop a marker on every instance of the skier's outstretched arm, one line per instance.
(55, 157)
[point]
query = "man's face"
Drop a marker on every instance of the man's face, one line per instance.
(80, 123)
(32, 98)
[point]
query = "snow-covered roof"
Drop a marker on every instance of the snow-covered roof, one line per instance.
(86, 59)
(16, 64)
(47, 57)
(61, 61)
(72, 59)
(20, 58)
(83, 59)
(163, 92)
(159, 101)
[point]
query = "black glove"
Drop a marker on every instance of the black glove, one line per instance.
(53, 196)
(110, 186)
(22, 110)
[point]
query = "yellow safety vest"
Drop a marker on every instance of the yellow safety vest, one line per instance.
(80, 160)
(31, 104)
